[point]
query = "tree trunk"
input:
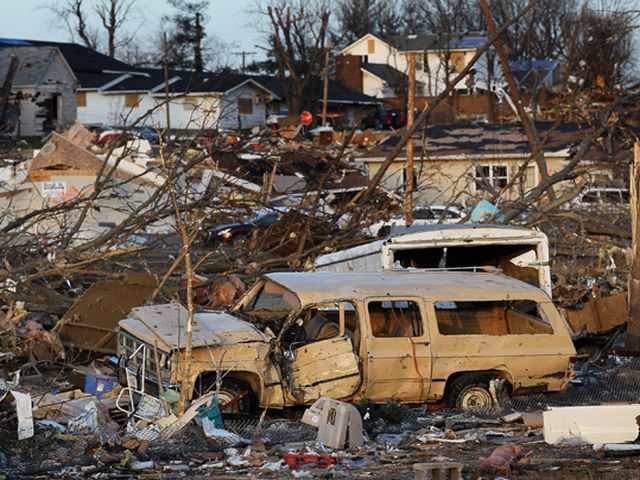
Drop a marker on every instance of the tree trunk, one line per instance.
(111, 29)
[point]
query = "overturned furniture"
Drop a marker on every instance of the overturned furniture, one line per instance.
(337, 423)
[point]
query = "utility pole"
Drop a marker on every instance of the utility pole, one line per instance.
(198, 63)
(244, 56)
(408, 176)
(325, 89)
(165, 62)
(633, 325)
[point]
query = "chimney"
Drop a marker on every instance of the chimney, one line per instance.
(349, 71)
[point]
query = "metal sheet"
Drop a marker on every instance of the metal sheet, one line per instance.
(91, 322)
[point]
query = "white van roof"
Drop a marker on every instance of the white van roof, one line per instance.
(438, 235)
(317, 287)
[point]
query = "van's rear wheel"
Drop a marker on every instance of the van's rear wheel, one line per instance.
(470, 392)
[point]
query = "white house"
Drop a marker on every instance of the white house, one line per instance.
(383, 64)
(196, 100)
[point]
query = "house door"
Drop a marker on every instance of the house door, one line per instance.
(327, 364)
(398, 351)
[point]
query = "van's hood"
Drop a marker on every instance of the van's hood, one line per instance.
(165, 325)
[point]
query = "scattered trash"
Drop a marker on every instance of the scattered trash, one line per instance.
(24, 409)
(219, 434)
(504, 458)
(139, 465)
(299, 460)
(617, 449)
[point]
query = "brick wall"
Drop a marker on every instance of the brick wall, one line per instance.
(349, 71)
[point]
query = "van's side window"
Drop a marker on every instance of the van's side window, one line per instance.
(515, 317)
(395, 318)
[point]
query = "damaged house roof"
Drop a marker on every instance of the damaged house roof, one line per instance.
(386, 73)
(152, 80)
(33, 66)
(305, 167)
(437, 41)
(79, 57)
(60, 155)
(338, 93)
(486, 140)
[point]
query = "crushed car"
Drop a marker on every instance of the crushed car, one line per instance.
(409, 337)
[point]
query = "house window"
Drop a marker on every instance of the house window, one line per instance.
(395, 318)
(490, 177)
(457, 62)
(414, 183)
(81, 99)
(530, 177)
(419, 62)
(245, 105)
(371, 45)
(131, 100)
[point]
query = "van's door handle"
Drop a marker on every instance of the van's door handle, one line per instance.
(425, 342)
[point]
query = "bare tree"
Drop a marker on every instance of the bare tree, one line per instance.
(78, 18)
(72, 15)
(356, 18)
(297, 39)
(113, 15)
(598, 44)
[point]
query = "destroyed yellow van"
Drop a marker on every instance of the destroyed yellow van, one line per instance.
(410, 336)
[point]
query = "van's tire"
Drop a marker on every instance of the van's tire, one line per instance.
(469, 392)
(229, 390)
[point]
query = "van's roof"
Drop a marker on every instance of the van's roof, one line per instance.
(465, 234)
(313, 287)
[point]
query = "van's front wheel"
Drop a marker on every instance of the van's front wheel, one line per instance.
(234, 396)
(470, 392)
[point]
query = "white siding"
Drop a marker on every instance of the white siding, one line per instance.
(192, 112)
(230, 118)
(109, 109)
(374, 86)
(57, 80)
(383, 53)
(434, 80)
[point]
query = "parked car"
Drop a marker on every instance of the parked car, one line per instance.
(408, 337)
(602, 196)
(422, 215)
(228, 233)
(384, 118)
(146, 133)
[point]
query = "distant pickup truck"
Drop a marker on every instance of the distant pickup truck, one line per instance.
(409, 337)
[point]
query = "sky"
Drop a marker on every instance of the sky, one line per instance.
(229, 21)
